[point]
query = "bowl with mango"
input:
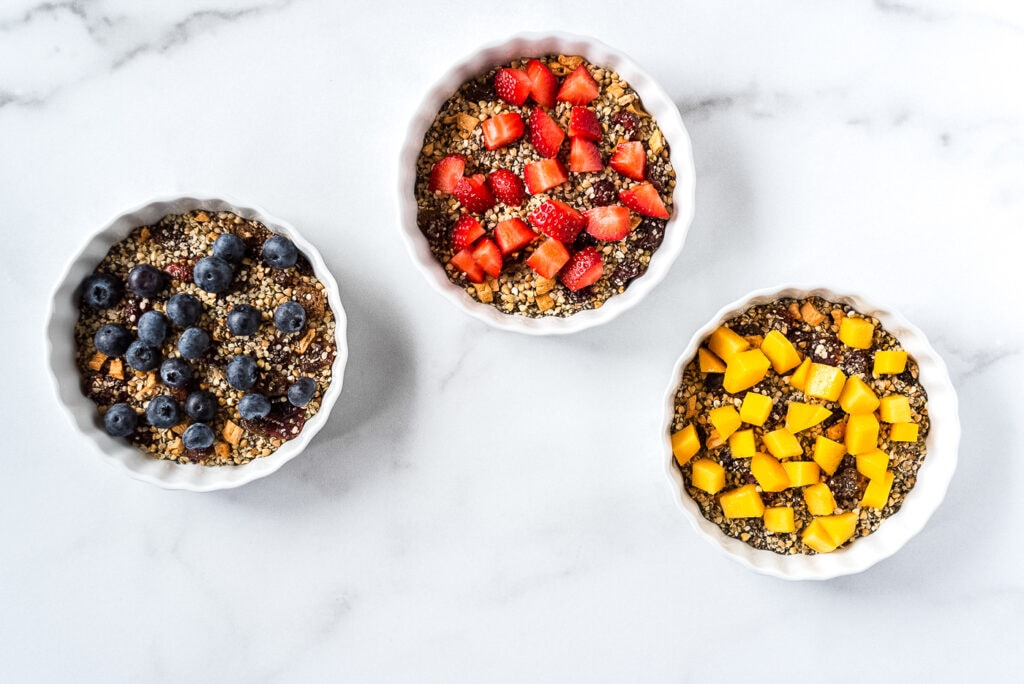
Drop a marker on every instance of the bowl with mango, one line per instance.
(809, 433)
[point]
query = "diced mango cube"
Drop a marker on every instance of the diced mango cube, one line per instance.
(769, 473)
(782, 444)
(839, 527)
(857, 396)
(708, 475)
(861, 433)
(741, 444)
(816, 536)
(819, 499)
(755, 408)
(824, 382)
(802, 473)
(799, 377)
(856, 332)
(726, 344)
(744, 370)
(726, 420)
(876, 495)
(800, 416)
(872, 464)
(903, 432)
(895, 408)
(709, 363)
(890, 362)
(779, 519)
(780, 352)
(742, 502)
(685, 444)
(828, 454)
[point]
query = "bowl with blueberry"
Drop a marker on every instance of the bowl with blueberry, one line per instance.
(199, 342)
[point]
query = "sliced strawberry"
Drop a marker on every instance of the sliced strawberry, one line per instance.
(584, 268)
(473, 194)
(557, 219)
(548, 258)
(629, 159)
(545, 134)
(464, 262)
(644, 199)
(488, 256)
(608, 223)
(465, 232)
(512, 85)
(544, 84)
(446, 173)
(502, 129)
(543, 175)
(507, 187)
(578, 88)
(512, 235)
(583, 123)
(584, 156)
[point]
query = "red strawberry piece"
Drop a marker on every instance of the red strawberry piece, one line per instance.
(507, 187)
(465, 232)
(464, 262)
(502, 129)
(578, 88)
(544, 84)
(584, 156)
(583, 123)
(488, 256)
(512, 235)
(512, 85)
(629, 159)
(548, 258)
(472, 192)
(644, 199)
(446, 173)
(545, 134)
(544, 174)
(584, 268)
(608, 223)
(557, 219)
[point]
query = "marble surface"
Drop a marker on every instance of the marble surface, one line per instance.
(484, 506)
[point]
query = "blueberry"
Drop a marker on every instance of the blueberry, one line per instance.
(301, 392)
(141, 356)
(175, 372)
(253, 406)
(244, 319)
(290, 317)
(279, 252)
(229, 247)
(120, 420)
(162, 411)
(184, 310)
(146, 280)
(201, 405)
(197, 436)
(242, 372)
(193, 343)
(101, 291)
(152, 328)
(213, 274)
(112, 339)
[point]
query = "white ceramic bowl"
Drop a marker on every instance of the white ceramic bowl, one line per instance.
(933, 477)
(655, 101)
(66, 376)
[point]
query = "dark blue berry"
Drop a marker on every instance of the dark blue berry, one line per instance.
(253, 406)
(101, 291)
(152, 328)
(193, 343)
(244, 319)
(229, 247)
(146, 280)
(242, 372)
(141, 356)
(197, 436)
(201, 405)
(301, 391)
(120, 420)
(112, 339)
(213, 274)
(290, 317)
(162, 411)
(184, 310)
(175, 372)
(279, 252)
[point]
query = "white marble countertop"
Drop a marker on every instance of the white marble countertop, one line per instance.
(483, 506)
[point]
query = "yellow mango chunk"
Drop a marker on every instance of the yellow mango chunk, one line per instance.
(685, 444)
(816, 536)
(895, 408)
(782, 444)
(779, 519)
(857, 397)
(726, 344)
(780, 352)
(799, 377)
(708, 475)
(819, 499)
(839, 527)
(726, 420)
(890, 362)
(744, 370)
(741, 444)
(828, 454)
(769, 473)
(903, 432)
(709, 363)
(861, 433)
(800, 416)
(856, 332)
(742, 502)
(872, 464)
(876, 495)
(755, 408)
(824, 382)
(802, 473)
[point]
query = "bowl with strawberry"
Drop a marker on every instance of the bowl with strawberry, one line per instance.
(546, 184)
